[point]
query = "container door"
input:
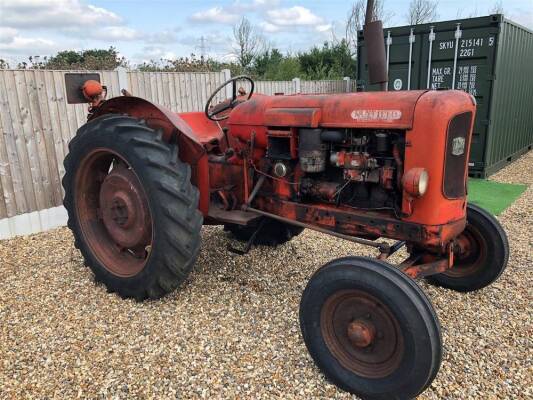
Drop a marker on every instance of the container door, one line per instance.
(399, 47)
(400, 76)
(463, 59)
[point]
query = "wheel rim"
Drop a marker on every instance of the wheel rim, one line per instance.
(470, 253)
(113, 212)
(362, 333)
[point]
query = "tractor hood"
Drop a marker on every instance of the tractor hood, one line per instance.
(394, 110)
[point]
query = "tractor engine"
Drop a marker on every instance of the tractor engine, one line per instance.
(352, 167)
(360, 164)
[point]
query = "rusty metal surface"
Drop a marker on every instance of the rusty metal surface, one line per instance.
(124, 209)
(384, 247)
(420, 264)
(416, 271)
(352, 222)
(113, 213)
(195, 134)
(426, 149)
(238, 217)
(300, 117)
(362, 333)
(372, 110)
(375, 52)
(470, 253)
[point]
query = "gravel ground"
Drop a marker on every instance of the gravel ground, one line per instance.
(232, 330)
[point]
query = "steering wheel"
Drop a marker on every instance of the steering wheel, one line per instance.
(212, 112)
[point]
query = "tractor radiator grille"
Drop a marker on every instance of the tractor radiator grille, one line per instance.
(455, 164)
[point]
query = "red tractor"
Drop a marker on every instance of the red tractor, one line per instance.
(141, 180)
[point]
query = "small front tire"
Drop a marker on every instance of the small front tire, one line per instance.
(370, 329)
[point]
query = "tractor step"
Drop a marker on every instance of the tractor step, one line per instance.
(237, 217)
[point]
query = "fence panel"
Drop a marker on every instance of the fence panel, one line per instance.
(306, 87)
(330, 86)
(36, 124)
(273, 87)
(177, 91)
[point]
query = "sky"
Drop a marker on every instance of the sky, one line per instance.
(143, 30)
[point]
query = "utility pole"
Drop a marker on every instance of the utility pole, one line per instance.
(202, 47)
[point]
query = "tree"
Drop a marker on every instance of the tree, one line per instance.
(475, 12)
(287, 69)
(248, 43)
(96, 59)
(356, 20)
(497, 8)
(188, 64)
(65, 60)
(331, 61)
(354, 23)
(273, 65)
(421, 11)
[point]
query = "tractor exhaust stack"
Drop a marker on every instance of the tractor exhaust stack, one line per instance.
(377, 59)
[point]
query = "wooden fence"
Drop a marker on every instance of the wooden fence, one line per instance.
(177, 91)
(36, 125)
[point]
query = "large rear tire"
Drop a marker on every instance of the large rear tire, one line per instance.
(272, 233)
(482, 253)
(131, 207)
(370, 329)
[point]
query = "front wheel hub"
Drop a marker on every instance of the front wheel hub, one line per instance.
(124, 209)
(361, 333)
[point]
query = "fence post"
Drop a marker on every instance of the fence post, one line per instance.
(123, 81)
(227, 76)
(348, 84)
(296, 85)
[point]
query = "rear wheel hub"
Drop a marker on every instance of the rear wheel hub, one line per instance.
(124, 208)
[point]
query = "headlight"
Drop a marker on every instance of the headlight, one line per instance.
(415, 181)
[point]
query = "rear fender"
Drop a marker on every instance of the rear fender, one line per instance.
(174, 129)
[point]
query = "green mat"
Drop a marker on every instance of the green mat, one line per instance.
(493, 196)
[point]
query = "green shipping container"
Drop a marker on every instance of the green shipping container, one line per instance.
(489, 57)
